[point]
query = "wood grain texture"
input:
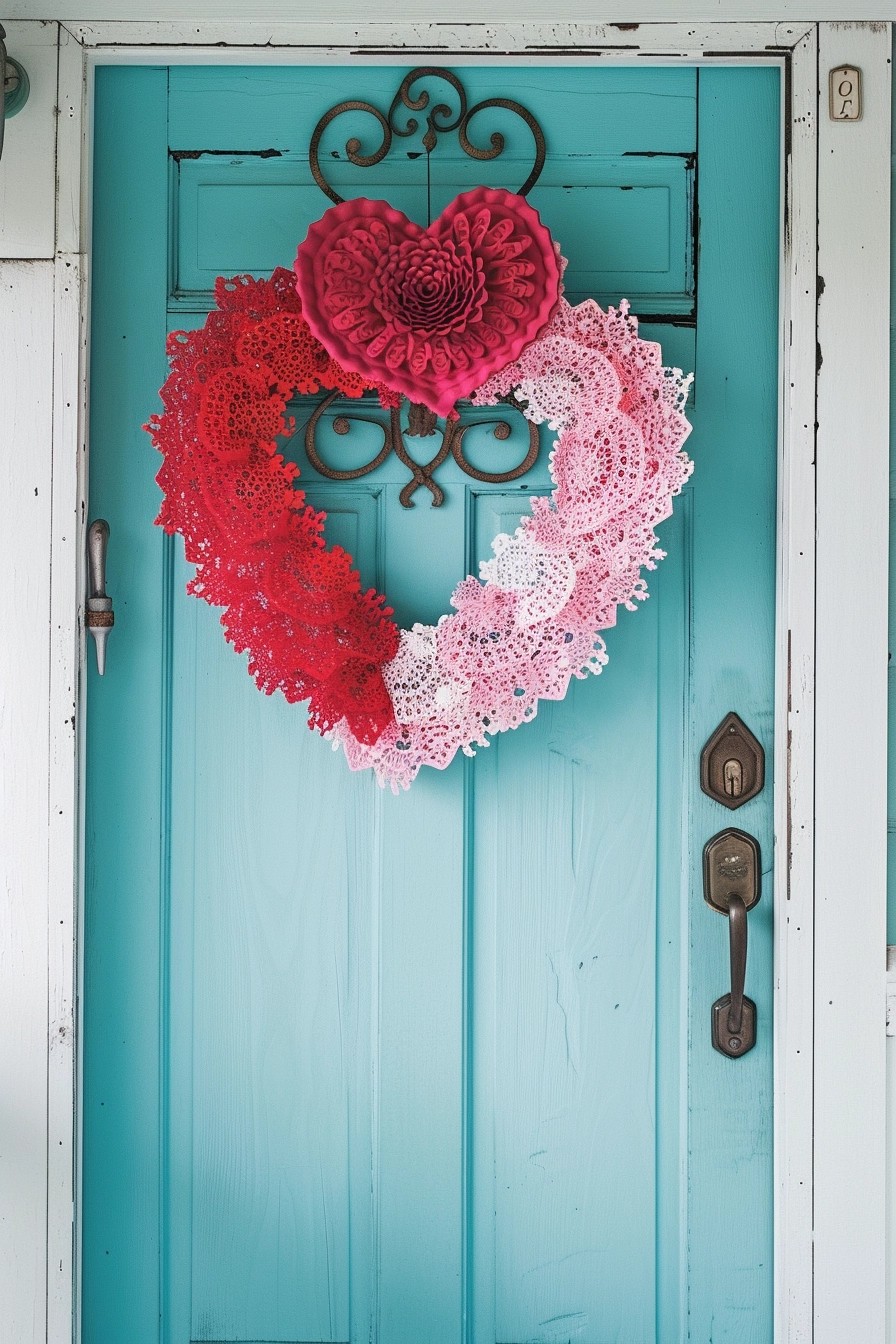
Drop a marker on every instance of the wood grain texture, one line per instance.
(733, 666)
(126, 854)
(851, 689)
(648, 11)
(69, 517)
(668, 38)
(795, 713)
(564, 1005)
(25, 483)
(422, 1063)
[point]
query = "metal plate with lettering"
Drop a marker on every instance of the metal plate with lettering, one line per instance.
(845, 93)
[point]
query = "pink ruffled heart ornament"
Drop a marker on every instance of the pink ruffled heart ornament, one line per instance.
(432, 312)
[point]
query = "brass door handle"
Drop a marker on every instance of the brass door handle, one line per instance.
(731, 885)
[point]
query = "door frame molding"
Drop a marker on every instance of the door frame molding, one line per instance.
(830, 822)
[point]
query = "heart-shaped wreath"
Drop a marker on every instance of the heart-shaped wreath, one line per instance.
(471, 305)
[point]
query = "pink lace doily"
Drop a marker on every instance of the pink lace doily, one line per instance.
(532, 621)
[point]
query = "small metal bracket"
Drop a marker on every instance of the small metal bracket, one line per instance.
(421, 424)
(732, 764)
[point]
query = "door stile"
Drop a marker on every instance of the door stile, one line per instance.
(737, 293)
(675, 647)
(135, 335)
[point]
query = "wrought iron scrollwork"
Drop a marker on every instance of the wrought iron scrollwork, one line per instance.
(440, 120)
(420, 426)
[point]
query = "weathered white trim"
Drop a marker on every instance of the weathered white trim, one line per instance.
(26, 361)
(614, 13)
(794, 719)
(851, 696)
(69, 458)
(274, 42)
(55, 831)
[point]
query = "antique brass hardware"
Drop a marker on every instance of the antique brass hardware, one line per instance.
(732, 764)
(731, 885)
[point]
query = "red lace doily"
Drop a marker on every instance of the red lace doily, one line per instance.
(294, 604)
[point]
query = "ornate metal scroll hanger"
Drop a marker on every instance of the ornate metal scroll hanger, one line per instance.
(440, 120)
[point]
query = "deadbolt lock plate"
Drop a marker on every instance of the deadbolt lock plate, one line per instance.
(732, 764)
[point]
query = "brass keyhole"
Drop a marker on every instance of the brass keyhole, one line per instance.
(733, 773)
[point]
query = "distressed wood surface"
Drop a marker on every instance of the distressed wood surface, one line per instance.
(26, 358)
(69, 515)
(626, 29)
(851, 690)
(795, 700)
(692, 39)
(267, 42)
(425, 1058)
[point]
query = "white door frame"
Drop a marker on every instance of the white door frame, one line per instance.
(830, 759)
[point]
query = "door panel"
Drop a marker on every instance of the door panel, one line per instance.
(435, 1067)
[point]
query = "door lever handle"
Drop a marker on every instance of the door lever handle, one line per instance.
(99, 617)
(731, 885)
(737, 945)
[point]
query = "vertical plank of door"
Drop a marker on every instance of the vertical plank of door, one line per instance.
(121, 981)
(730, 1102)
(562, 1046)
(420, 952)
(273, 881)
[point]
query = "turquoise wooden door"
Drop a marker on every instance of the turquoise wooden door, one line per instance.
(434, 1068)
